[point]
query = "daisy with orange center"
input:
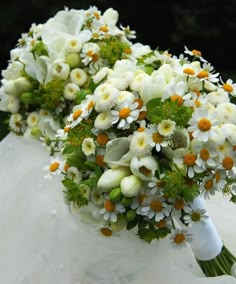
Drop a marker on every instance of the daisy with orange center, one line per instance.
(125, 114)
(154, 207)
(158, 140)
(55, 167)
(110, 210)
(180, 238)
(206, 157)
(202, 125)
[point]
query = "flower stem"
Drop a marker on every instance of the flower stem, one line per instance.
(220, 265)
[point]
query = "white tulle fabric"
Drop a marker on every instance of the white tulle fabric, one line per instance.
(43, 243)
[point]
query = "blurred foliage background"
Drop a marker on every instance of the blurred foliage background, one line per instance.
(206, 25)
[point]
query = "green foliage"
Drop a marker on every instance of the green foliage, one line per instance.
(176, 186)
(74, 192)
(158, 110)
(113, 49)
(39, 49)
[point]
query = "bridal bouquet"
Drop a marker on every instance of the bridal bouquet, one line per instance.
(140, 136)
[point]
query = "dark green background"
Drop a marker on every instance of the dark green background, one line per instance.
(206, 25)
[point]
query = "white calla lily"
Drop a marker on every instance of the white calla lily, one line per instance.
(111, 178)
(143, 167)
(117, 153)
(130, 186)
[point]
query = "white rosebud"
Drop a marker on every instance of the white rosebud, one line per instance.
(111, 178)
(130, 186)
(78, 76)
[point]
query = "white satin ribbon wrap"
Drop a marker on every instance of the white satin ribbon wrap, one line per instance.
(207, 243)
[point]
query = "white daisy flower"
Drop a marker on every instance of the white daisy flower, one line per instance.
(16, 123)
(166, 127)
(158, 140)
(79, 112)
(63, 133)
(198, 215)
(230, 87)
(218, 97)
(202, 125)
(97, 198)
(178, 207)
(90, 53)
(124, 114)
(180, 238)
(208, 187)
(156, 185)
(74, 174)
(195, 53)
(155, 207)
(55, 167)
(111, 210)
(137, 202)
(88, 146)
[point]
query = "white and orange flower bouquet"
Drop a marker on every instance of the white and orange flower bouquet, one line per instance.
(141, 137)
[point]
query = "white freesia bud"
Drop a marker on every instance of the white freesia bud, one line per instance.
(110, 17)
(112, 178)
(143, 167)
(23, 85)
(130, 186)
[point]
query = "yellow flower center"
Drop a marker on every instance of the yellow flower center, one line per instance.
(204, 124)
(179, 238)
(141, 198)
(102, 139)
(196, 52)
(104, 29)
(204, 154)
(197, 103)
(189, 159)
(208, 184)
(203, 74)
(156, 205)
(157, 137)
(228, 163)
(77, 114)
(228, 88)
(161, 224)
(66, 129)
(179, 204)
(178, 99)
(106, 232)
(124, 112)
(189, 71)
(90, 105)
(217, 176)
(109, 206)
(54, 166)
(196, 216)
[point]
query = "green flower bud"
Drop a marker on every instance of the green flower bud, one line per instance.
(115, 195)
(73, 59)
(27, 98)
(130, 215)
(119, 224)
(126, 201)
(149, 70)
(36, 132)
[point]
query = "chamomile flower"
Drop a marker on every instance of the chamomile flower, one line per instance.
(195, 53)
(62, 134)
(124, 114)
(208, 186)
(78, 76)
(105, 97)
(226, 112)
(230, 87)
(103, 121)
(90, 53)
(110, 210)
(166, 127)
(74, 174)
(88, 146)
(207, 73)
(137, 202)
(202, 125)
(33, 119)
(79, 113)
(158, 140)
(197, 215)
(55, 167)
(178, 207)
(156, 185)
(16, 123)
(70, 91)
(155, 207)
(180, 238)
